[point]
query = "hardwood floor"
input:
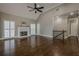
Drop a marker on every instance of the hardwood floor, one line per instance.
(39, 46)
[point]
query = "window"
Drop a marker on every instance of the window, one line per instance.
(9, 28)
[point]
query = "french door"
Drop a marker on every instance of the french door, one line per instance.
(32, 29)
(9, 28)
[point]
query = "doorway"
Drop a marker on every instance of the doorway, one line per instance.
(73, 26)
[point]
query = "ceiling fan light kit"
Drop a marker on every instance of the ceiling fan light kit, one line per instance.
(36, 8)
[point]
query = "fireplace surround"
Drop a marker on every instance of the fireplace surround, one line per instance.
(23, 33)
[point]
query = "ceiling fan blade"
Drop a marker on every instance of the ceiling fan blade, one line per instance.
(30, 7)
(35, 5)
(40, 7)
(39, 10)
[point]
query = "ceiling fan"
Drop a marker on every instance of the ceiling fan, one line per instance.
(36, 8)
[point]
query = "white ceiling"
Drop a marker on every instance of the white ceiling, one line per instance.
(20, 9)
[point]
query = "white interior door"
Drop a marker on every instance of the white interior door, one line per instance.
(74, 27)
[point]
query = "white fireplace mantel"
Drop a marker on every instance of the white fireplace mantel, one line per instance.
(20, 29)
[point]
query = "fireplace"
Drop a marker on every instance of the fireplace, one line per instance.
(23, 33)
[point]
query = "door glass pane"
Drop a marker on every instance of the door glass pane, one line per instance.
(6, 33)
(12, 33)
(6, 24)
(12, 25)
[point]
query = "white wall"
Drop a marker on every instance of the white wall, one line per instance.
(46, 19)
(46, 24)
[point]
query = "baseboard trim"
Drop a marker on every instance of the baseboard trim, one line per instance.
(46, 36)
(16, 37)
(69, 36)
